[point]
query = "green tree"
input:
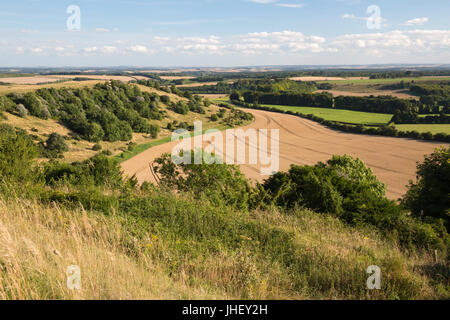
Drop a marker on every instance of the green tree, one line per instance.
(429, 196)
(55, 145)
(220, 183)
(17, 152)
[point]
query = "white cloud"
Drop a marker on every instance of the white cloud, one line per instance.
(290, 5)
(109, 49)
(416, 22)
(139, 49)
(101, 30)
(395, 44)
(90, 50)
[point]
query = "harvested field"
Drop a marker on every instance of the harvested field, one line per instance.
(97, 77)
(326, 78)
(176, 77)
(30, 80)
(303, 142)
(214, 96)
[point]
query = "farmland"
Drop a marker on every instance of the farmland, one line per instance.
(346, 116)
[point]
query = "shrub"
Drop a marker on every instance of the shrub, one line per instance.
(55, 145)
(165, 99)
(429, 196)
(17, 152)
(97, 147)
(21, 110)
(219, 183)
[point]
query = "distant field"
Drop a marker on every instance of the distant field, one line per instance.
(35, 80)
(341, 115)
(70, 84)
(433, 128)
(384, 81)
(313, 78)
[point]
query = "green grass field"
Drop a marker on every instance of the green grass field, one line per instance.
(433, 128)
(341, 115)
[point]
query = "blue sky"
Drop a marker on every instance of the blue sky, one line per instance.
(223, 32)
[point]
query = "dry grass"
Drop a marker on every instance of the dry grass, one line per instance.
(38, 243)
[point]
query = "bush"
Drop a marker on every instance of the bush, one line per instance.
(55, 145)
(219, 183)
(21, 110)
(165, 99)
(97, 147)
(346, 188)
(429, 196)
(17, 152)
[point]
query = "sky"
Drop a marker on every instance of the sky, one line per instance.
(222, 33)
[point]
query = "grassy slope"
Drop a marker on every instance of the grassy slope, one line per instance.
(195, 251)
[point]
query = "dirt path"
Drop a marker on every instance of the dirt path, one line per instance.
(302, 142)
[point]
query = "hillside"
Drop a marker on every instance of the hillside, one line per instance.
(128, 260)
(68, 111)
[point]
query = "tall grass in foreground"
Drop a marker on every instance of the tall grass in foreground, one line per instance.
(170, 247)
(38, 243)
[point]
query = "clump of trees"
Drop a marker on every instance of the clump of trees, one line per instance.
(111, 111)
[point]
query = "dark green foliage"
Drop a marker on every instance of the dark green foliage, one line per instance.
(98, 170)
(348, 189)
(219, 183)
(429, 196)
(55, 145)
(165, 99)
(324, 99)
(17, 152)
(97, 147)
(180, 107)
